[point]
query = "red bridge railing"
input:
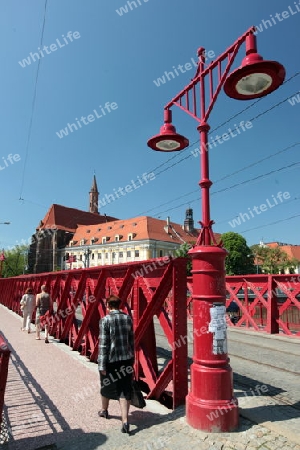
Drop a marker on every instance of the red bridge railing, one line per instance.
(269, 303)
(144, 287)
(4, 361)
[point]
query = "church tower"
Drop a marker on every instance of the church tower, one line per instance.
(189, 221)
(94, 196)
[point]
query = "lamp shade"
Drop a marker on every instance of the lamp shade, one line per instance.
(254, 78)
(168, 140)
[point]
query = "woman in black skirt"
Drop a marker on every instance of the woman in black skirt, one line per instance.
(115, 359)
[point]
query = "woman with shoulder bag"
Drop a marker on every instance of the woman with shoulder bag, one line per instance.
(27, 307)
(115, 359)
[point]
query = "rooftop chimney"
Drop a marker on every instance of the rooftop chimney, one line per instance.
(167, 227)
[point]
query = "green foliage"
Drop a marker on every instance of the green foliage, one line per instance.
(182, 251)
(15, 262)
(273, 260)
(240, 260)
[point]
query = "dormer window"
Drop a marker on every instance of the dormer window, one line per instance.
(118, 237)
(71, 243)
(82, 242)
(131, 236)
(103, 240)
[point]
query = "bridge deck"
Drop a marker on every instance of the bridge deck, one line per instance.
(52, 398)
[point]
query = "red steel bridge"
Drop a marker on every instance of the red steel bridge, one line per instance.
(155, 288)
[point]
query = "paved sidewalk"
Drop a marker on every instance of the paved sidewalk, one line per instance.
(52, 402)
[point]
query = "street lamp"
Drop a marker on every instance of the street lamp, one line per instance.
(210, 404)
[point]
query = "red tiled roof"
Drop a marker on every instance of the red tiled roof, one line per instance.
(142, 227)
(67, 219)
(293, 251)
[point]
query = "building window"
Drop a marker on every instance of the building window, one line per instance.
(130, 237)
(161, 253)
(103, 240)
(113, 254)
(93, 255)
(80, 257)
(106, 255)
(121, 254)
(129, 254)
(136, 253)
(117, 238)
(99, 255)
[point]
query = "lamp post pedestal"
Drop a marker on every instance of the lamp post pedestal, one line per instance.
(210, 404)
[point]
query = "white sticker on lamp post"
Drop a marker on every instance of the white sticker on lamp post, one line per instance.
(218, 327)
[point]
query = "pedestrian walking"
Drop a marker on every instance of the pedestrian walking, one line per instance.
(115, 359)
(27, 306)
(43, 305)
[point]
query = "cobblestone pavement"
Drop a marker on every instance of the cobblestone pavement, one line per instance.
(173, 433)
(54, 407)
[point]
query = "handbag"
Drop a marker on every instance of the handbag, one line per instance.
(137, 398)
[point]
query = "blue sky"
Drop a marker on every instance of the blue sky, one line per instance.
(113, 60)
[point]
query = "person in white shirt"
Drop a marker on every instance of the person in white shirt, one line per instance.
(27, 306)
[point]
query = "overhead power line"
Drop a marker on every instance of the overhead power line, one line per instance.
(32, 106)
(290, 166)
(226, 176)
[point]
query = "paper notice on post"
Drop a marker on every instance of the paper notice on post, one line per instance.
(218, 327)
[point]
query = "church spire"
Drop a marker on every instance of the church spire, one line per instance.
(94, 196)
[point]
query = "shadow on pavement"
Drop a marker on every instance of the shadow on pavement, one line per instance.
(77, 440)
(33, 421)
(145, 419)
(271, 413)
(254, 387)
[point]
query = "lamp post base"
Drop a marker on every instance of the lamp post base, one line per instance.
(220, 416)
(210, 404)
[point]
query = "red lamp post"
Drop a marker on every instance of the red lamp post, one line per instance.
(210, 404)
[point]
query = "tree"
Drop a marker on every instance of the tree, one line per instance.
(240, 259)
(15, 262)
(273, 260)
